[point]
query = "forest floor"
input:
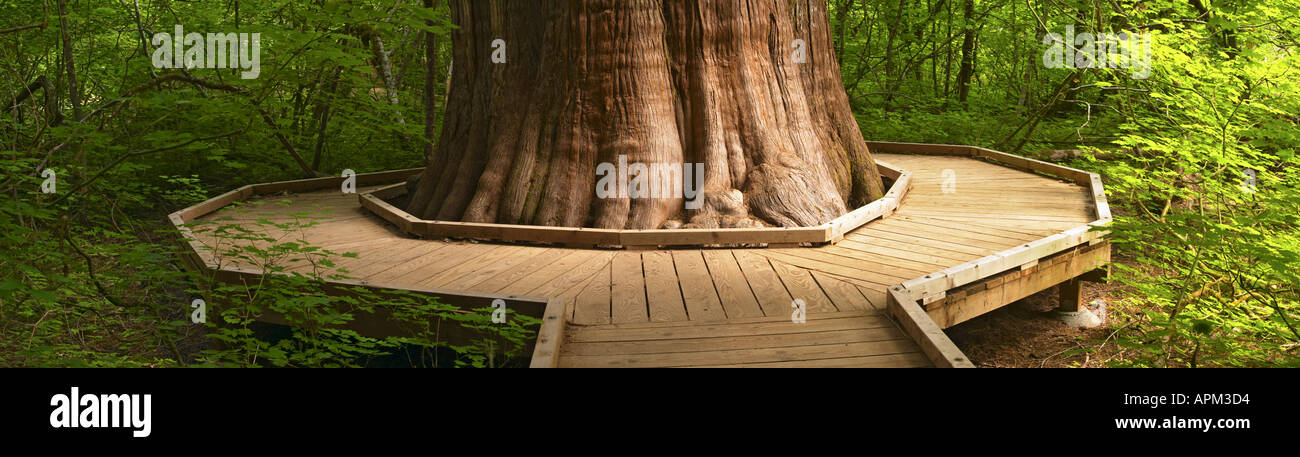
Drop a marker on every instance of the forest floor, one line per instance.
(1028, 334)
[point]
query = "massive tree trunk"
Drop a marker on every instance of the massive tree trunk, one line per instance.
(658, 81)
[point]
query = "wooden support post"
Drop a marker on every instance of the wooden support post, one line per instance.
(1071, 295)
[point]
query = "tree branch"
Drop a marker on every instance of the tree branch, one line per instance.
(23, 27)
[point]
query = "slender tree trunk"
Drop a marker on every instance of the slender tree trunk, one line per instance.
(74, 92)
(934, 55)
(892, 29)
(842, 19)
(52, 115)
(655, 81)
(324, 103)
(69, 63)
(947, 63)
(967, 51)
(385, 67)
(144, 38)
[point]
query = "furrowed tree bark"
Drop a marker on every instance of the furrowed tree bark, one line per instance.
(660, 82)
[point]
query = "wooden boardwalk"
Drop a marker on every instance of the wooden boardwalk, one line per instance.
(713, 307)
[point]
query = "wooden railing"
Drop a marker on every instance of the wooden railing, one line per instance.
(377, 202)
(933, 286)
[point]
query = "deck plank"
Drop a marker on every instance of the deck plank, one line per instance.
(887, 271)
(899, 225)
(748, 355)
(981, 227)
(506, 264)
(701, 297)
(628, 285)
(882, 275)
(578, 275)
(429, 264)
(662, 288)
(768, 289)
(592, 305)
(388, 262)
(737, 298)
(905, 360)
(551, 272)
(493, 255)
(845, 295)
(724, 329)
(911, 251)
(854, 335)
(802, 287)
(867, 234)
(524, 269)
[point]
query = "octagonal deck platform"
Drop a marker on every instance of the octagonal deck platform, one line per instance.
(979, 229)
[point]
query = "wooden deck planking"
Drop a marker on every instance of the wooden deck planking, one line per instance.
(771, 294)
(845, 295)
(388, 262)
(759, 354)
(627, 285)
(784, 318)
(892, 267)
(994, 241)
(524, 269)
(484, 257)
(607, 291)
(431, 265)
(893, 248)
(983, 227)
(528, 254)
(702, 302)
(905, 360)
(738, 299)
(929, 242)
(1009, 224)
(555, 271)
(877, 297)
(923, 264)
(974, 214)
(663, 289)
(577, 276)
(802, 286)
(705, 344)
(692, 329)
(882, 276)
(592, 305)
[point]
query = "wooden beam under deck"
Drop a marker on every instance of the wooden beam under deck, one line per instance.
(967, 302)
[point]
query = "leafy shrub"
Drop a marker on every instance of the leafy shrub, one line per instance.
(1209, 193)
(317, 312)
